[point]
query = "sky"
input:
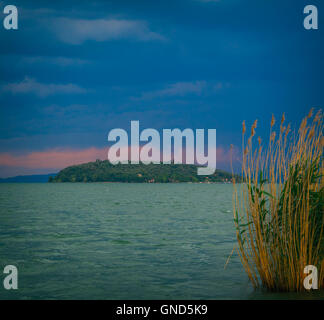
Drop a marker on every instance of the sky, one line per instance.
(74, 70)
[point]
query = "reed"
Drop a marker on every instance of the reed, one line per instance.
(278, 209)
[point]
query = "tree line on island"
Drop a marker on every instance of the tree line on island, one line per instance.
(104, 171)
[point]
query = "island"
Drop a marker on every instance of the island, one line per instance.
(104, 171)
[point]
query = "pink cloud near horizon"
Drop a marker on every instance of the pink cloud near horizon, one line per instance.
(55, 158)
(61, 158)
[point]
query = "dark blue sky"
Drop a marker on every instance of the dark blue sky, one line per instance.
(74, 70)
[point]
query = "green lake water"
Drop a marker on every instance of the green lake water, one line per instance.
(122, 241)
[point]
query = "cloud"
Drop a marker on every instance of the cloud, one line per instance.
(29, 85)
(52, 159)
(207, 1)
(60, 158)
(176, 89)
(55, 158)
(59, 61)
(77, 31)
(181, 89)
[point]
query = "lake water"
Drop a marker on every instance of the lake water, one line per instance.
(122, 241)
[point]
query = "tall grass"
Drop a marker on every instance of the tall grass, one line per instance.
(278, 209)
